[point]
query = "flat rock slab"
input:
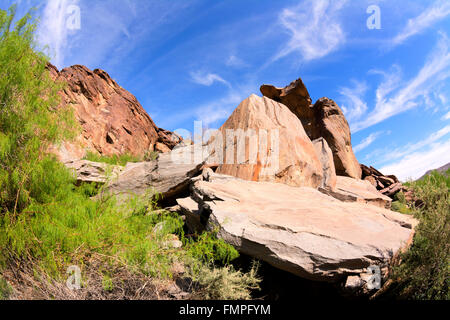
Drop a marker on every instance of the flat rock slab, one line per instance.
(93, 172)
(353, 190)
(299, 229)
(164, 175)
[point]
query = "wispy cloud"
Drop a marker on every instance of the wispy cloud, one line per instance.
(436, 12)
(53, 31)
(234, 61)
(395, 96)
(414, 165)
(402, 152)
(353, 105)
(207, 79)
(446, 116)
(367, 141)
(314, 28)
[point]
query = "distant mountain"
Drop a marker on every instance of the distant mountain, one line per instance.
(444, 168)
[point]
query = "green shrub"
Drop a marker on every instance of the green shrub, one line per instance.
(424, 272)
(47, 223)
(5, 289)
(120, 160)
(208, 248)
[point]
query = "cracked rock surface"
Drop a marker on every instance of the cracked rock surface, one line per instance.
(298, 229)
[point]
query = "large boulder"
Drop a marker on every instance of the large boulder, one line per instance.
(166, 175)
(387, 185)
(264, 141)
(299, 229)
(112, 120)
(93, 172)
(296, 97)
(330, 123)
(323, 119)
(354, 190)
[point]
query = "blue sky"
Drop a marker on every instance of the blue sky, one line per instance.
(189, 60)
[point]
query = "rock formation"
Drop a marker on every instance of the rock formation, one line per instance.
(354, 190)
(297, 229)
(112, 120)
(323, 119)
(387, 185)
(293, 161)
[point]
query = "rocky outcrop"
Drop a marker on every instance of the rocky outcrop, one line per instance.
(112, 120)
(323, 119)
(286, 155)
(298, 229)
(387, 185)
(296, 97)
(93, 172)
(166, 175)
(330, 123)
(353, 190)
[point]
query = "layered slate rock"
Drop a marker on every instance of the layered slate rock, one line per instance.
(387, 185)
(323, 119)
(292, 160)
(299, 229)
(353, 190)
(93, 172)
(166, 175)
(112, 120)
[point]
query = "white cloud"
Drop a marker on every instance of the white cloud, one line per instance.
(395, 96)
(314, 28)
(219, 109)
(354, 106)
(207, 79)
(53, 31)
(446, 116)
(414, 165)
(367, 141)
(436, 12)
(234, 61)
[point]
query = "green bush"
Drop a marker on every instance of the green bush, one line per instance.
(47, 223)
(424, 272)
(120, 160)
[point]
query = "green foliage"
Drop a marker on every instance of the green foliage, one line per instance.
(425, 269)
(5, 289)
(208, 248)
(120, 160)
(30, 119)
(48, 222)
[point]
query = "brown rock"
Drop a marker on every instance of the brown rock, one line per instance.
(294, 163)
(324, 119)
(112, 120)
(296, 97)
(355, 190)
(298, 229)
(372, 180)
(330, 123)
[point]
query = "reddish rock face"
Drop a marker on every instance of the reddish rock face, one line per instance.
(296, 97)
(112, 120)
(330, 123)
(323, 119)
